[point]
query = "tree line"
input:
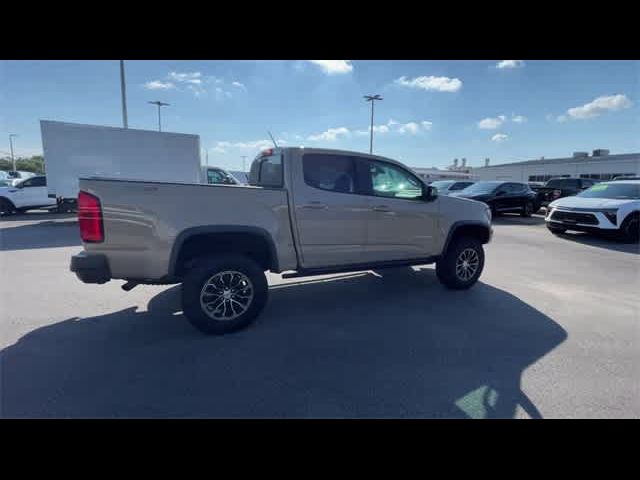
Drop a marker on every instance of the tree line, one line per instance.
(33, 164)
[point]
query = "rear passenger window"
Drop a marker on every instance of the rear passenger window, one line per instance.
(35, 182)
(336, 173)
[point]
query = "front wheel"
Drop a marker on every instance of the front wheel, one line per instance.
(224, 294)
(630, 229)
(527, 210)
(460, 267)
(6, 207)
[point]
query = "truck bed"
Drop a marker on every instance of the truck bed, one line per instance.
(143, 219)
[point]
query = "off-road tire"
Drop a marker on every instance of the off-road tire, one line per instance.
(195, 280)
(447, 266)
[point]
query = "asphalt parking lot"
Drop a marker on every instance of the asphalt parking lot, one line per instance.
(551, 331)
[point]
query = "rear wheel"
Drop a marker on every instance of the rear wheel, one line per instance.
(6, 207)
(461, 266)
(630, 229)
(224, 294)
(527, 210)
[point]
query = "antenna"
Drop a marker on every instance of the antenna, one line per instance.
(274, 142)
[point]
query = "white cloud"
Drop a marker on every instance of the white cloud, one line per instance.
(195, 83)
(376, 129)
(599, 106)
(197, 90)
(158, 85)
(397, 127)
(222, 146)
(332, 67)
(221, 93)
(330, 135)
(518, 119)
(411, 127)
(439, 84)
(492, 123)
(499, 137)
(510, 64)
(188, 77)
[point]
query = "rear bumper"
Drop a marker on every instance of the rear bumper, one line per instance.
(91, 268)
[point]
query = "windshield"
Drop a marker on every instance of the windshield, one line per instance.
(481, 187)
(618, 191)
(443, 184)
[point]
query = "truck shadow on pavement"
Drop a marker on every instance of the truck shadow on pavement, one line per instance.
(44, 234)
(362, 345)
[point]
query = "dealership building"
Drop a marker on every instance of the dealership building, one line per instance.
(600, 165)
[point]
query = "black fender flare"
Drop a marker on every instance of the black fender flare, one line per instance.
(187, 233)
(464, 223)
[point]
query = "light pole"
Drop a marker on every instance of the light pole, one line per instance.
(159, 104)
(372, 99)
(13, 160)
(123, 91)
(243, 164)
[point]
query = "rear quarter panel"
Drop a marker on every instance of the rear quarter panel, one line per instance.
(143, 219)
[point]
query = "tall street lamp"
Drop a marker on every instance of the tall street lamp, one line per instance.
(13, 160)
(123, 92)
(159, 104)
(372, 99)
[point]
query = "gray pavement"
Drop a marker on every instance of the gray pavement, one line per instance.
(551, 330)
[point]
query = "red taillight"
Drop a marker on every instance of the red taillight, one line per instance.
(90, 218)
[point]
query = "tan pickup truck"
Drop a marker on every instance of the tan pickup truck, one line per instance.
(305, 212)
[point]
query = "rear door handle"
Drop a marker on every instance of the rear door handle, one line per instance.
(315, 206)
(381, 208)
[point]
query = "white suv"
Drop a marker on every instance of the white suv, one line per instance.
(27, 194)
(606, 207)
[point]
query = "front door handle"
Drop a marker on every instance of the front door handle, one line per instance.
(315, 206)
(381, 208)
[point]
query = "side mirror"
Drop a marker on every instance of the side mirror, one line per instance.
(429, 193)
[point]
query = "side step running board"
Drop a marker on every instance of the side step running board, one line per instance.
(358, 267)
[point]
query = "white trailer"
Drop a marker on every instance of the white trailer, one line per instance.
(74, 150)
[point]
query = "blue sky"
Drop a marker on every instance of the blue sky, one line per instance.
(432, 112)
